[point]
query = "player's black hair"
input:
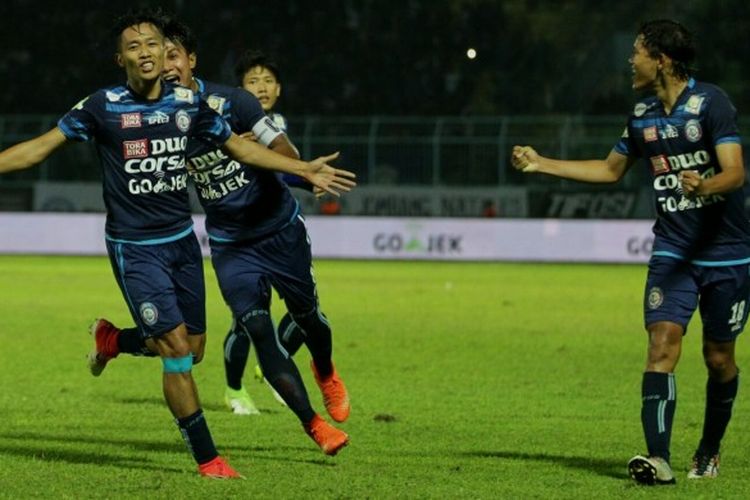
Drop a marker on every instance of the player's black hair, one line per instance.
(663, 36)
(180, 34)
(134, 17)
(252, 58)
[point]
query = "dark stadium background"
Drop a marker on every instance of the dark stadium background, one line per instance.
(392, 57)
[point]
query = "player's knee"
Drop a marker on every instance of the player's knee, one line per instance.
(173, 344)
(313, 322)
(718, 362)
(197, 346)
(257, 324)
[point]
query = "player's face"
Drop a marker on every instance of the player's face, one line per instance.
(262, 84)
(644, 67)
(141, 52)
(178, 64)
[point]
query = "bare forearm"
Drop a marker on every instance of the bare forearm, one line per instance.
(722, 183)
(20, 156)
(285, 148)
(29, 153)
(594, 171)
(256, 155)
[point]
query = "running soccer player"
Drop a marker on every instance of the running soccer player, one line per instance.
(259, 75)
(258, 240)
(686, 133)
(141, 130)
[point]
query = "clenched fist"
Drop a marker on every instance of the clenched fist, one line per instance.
(525, 159)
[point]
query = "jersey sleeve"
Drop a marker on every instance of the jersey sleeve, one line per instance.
(721, 119)
(80, 123)
(250, 116)
(626, 146)
(209, 126)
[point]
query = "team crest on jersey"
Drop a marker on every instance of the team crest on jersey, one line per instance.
(640, 109)
(183, 94)
(655, 298)
(182, 119)
(149, 313)
(216, 103)
(157, 118)
(135, 149)
(649, 134)
(130, 120)
(693, 130)
(693, 104)
(659, 164)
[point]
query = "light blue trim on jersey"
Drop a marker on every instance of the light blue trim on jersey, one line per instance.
(296, 211)
(70, 133)
(704, 263)
(219, 239)
(721, 263)
(664, 253)
(731, 139)
(155, 241)
(178, 365)
(120, 259)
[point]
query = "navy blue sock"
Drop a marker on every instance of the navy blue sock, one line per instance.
(130, 341)
(197, 437)
(236, 351)
(659, 393)
(719, 400)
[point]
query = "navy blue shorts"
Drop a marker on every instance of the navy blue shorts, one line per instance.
(675, 288)
(162, 284)
(247, 270)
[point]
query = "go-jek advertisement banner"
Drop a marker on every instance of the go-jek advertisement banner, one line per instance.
(338, 237)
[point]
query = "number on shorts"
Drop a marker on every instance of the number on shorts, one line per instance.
(738, 312)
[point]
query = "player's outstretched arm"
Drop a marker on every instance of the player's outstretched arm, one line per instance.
(317, 172)
(526, 159)
(29, 153)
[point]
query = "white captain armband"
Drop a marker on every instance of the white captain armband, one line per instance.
(266, 131)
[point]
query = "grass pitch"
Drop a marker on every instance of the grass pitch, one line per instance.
(467, 381)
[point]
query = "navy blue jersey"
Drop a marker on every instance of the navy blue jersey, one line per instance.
(141, 146)
(707, 230)
(241, 202)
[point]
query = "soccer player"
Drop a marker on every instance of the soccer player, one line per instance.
(687, 135)
(141, 130)
(259, 75)
(258, 240)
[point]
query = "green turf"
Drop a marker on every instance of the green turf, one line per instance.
(467, 380)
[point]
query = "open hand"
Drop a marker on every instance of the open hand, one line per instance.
(327, 178)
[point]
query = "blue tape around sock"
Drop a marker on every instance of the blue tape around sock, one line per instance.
(178, 365)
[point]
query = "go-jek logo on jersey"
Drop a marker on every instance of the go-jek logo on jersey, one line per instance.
(676, 201)
(216, 174)
(156, 157)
